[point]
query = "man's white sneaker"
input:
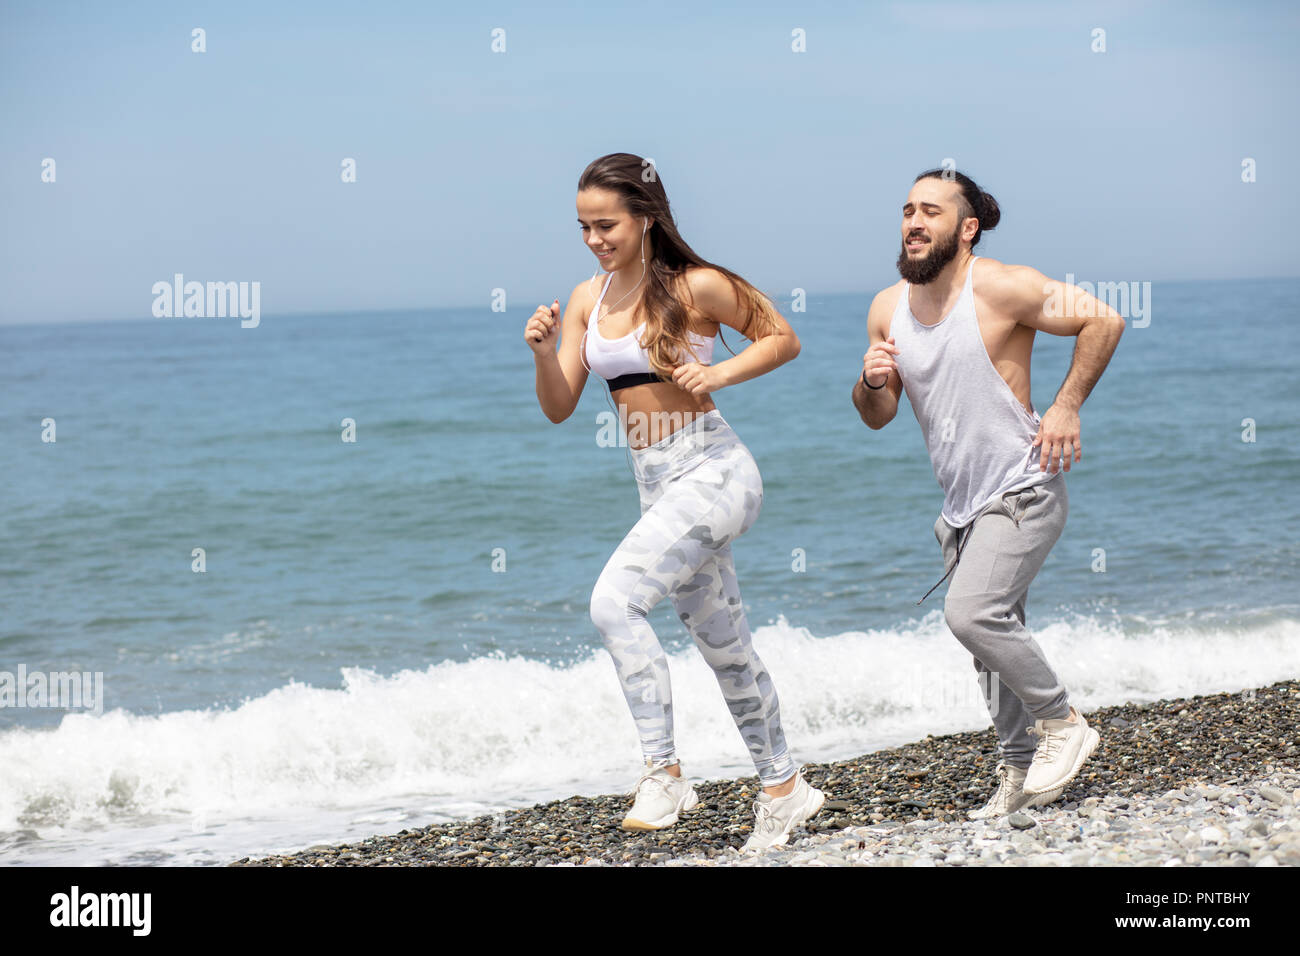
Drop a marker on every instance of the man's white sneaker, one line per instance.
(776, 817)
(1009, 797)
(660, 797)
(1062, 748)
(1043, 799)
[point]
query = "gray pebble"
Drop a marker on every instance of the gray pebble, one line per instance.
(1158, 793)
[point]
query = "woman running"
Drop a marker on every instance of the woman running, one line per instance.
(649, 330)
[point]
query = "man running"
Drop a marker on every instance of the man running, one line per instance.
(957, 334)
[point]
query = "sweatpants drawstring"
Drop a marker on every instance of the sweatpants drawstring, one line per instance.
(960, 544)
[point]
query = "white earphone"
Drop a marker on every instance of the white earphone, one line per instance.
(645, 224)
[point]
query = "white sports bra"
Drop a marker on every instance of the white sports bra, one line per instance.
(623, 361)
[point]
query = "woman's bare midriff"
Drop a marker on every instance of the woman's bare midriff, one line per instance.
(650, 413)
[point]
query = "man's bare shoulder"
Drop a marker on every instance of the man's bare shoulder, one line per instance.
(884, 304)
(887, 298)
(1007, 286)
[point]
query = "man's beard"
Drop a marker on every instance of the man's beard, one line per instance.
(923, 270)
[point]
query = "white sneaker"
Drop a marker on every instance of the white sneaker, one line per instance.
(1010, 795)
(775, 817)
(1062, 748)
(1043, 799)
(660, 797)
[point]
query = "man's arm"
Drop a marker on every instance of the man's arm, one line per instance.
(878, 406)
(1058, 309)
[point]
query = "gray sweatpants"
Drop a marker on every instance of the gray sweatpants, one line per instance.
(998, 555)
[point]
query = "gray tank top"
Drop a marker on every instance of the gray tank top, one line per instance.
(977, 432)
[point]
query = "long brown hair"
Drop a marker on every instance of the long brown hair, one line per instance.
(637, 183)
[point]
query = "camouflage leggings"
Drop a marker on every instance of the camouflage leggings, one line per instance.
(700, 489)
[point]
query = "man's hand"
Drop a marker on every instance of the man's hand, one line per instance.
(879, 362)
(698, 379)
(1058, 434)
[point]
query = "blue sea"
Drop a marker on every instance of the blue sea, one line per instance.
(393, 631)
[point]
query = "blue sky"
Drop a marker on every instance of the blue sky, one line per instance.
(789, 168)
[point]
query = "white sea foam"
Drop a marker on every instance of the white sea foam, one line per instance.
(303, 765)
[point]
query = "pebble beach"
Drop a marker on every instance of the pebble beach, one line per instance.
(1209, 780)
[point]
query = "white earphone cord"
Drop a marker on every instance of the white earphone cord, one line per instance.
(610, 308)
(608, 397)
